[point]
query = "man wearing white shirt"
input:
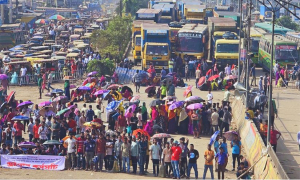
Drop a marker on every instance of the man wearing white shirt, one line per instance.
(209, 98)
(71, 142)
(23, 71)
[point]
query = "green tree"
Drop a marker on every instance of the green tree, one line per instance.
(103, 67)
(132, 6)
(114, 39)
(287, 22)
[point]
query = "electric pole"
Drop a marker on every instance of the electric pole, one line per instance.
(240, 43)
(121, 8)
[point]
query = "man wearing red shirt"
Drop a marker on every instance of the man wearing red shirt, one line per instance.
(72, 126)
(121, 122)
(10, 115)
(96, 119)
(100, 151)
(176, 154)
(36, 135)
(79, 151)
(19, 128)
(274, 138)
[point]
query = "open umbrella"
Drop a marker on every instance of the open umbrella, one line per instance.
(20, 118)
(92, 73)
(100, 92)
(3, 107)
(143, 132)
(10, 96)
(230, 77)
(156, 128)
(188, 89)
(3, 76)
(161, 136)
(56, 17)
(194, 99)
(149, 88)
(213, 137)
(132, 107)
(57, 91)
(175, 105)
(110, 133)
(52, 142)
(62, 111)
(130, 103)
(25, 103)
(169, 97)
(213, 77)
(63, 99)
(135, 98)
(155, 102)
(41, 21)
(114, 86)
(112, 106)
(85, 88)
(201, 81)
(26, 145)
(90, 124)
(72, 86)
(229, 135)
(124, 88)
(194, 106)
(45, 103)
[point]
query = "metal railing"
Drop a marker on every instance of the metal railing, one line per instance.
(31, 79)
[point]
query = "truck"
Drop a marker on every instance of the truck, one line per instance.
(181, 6)
(151, 3)
(192, 41)
(136, 39)
(266, 13)
(155, 46)
(227, 14)
(149, 14)
(168, 12)
(194, 13)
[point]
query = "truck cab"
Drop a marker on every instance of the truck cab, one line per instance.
(137, 48)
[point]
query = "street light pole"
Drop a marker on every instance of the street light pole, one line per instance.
(240, 43)
(270, 105)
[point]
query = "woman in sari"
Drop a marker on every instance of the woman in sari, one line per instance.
(172, 126)
(67, 89)
(154, 113)
(277, 77)
(162, 119)
(44, 82)
(183, 122)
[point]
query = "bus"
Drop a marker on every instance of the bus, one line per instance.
(266, 26)
(192, 40)
(294, 36)
(285, 51)
(255, 35)
(226, 52)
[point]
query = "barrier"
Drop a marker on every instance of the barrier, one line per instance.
(125, 75)
(269, 166)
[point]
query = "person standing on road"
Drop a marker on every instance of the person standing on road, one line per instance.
(88, 151)
(183, 159)
(193, 155)
(137, 81)
(226, 121)
(253, 74)
(40, 82)
(171, 65)
(265, 80)
(143, 144)
(274, 138)
(167, 159)
(155, 156)
(100, 152)
(209, 156)
(236, 150)
(125, 149)
(210, 97)
(198, 75)
(134, 154)
(71, 142)
(176, 154)
(221, 159)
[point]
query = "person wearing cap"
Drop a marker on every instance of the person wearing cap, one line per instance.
(176, 154)
(9, 133)
(155, 152)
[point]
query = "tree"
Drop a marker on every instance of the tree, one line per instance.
(114, 39)
(287, 22)
(103, 67)
(132, 6)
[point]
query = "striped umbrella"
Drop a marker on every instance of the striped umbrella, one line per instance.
(56, 17)
(41, 21)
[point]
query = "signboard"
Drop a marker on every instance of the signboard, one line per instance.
(195, 35)
(50, 12)
(33, 162)
(157, 32)
(286, 47)
(146, 15)
(243, 54)
(3, 1)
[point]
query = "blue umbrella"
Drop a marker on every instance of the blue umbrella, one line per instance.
(84, 88)
(105, 94)
(112, 106)
(177, 104)
(56, 91)
(20, 118)
(214, 137)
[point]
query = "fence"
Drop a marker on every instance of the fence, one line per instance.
(125, 75)
(267, 167)
(30, 79)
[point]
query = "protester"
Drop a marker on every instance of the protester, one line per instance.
(236, 151)
(221, 159)
(208, 156)
(155, 155)
(176, 154)
(193, 155)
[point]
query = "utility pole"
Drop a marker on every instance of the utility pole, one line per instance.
(10, 11)
(249, 4)
(240, 43)
(121, 8)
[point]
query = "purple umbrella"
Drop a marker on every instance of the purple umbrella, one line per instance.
(72, 106)
(92, 73)
(26, 145)
(3, 76)
(101, 92)
(26, 103)
(194, 106)
(132, 107)
(176, 104)
(84, 88)
(45, 103)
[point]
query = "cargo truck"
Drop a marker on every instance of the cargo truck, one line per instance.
(168, 12)
(194, 13)
(149, 14)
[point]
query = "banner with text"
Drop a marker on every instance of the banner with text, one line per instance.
(33, 162)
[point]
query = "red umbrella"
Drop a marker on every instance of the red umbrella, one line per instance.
(114, 86)
(213, 77)
(149, 88)
(201, 81)
(145, 133)
(230, 77)
(9, 97)
(161, 136)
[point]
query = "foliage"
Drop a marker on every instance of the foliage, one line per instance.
(287, 22)
(103, 67)
(114, 39)
(132, 6)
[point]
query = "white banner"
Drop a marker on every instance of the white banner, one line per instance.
(33, 162)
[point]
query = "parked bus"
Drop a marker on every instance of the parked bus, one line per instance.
(266, 26)
(255, 35)
(294, 36)
(285, 51)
